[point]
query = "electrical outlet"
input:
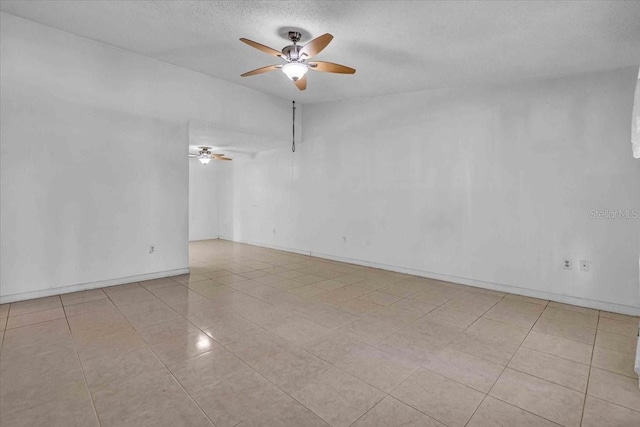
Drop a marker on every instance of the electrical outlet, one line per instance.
(585, 265)
(566, 264)
(152, 249)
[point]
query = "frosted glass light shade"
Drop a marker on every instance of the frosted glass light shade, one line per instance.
(294, 70)
(204, 160)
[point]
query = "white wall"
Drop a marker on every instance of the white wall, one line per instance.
(487, 186)
(94, 162)
(203, 200)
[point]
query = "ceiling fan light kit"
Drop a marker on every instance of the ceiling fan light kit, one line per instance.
(296, 57)
(295, 70)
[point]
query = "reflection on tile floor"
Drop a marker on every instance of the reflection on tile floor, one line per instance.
(257, 337)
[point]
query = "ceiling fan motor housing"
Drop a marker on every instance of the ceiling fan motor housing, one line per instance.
(291, 52)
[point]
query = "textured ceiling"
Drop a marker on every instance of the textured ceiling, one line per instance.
(396, 46)
(229, 141)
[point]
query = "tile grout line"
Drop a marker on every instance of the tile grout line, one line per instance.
(376, 404)
(84, 376)
(542, 352)
(463, 330)
(504, 369)
(435, 355)
(226, 349)
(545, 379)
(586, 391)
(4, 329)
(421, 366)
(290, 395)
(156, 355)
(525, 410)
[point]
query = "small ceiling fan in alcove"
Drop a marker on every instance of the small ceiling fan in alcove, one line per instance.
(205, 155)
(296, 57)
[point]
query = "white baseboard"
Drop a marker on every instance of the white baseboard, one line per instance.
(202, 240)
(92, 285)
(582, 302)
(266, 245)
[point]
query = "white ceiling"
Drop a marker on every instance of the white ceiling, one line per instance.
(396, 46)
(230, 142)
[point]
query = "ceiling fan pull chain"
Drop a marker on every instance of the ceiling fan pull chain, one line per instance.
(293, 128)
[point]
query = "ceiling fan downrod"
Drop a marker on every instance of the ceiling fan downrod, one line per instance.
(292, 52)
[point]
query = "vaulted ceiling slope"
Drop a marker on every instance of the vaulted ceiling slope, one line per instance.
(396, 46)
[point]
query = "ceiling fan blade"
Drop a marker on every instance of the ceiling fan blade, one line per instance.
(223, 158)
(301, 83)
(218, 155)
(261, 70)
(265, 49)
(193, 155)
(330, 67)
(316, 45)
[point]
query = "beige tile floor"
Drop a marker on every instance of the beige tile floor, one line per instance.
(257, 337)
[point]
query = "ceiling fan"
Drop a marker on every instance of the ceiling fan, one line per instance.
(296, 57)
(205, 155)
